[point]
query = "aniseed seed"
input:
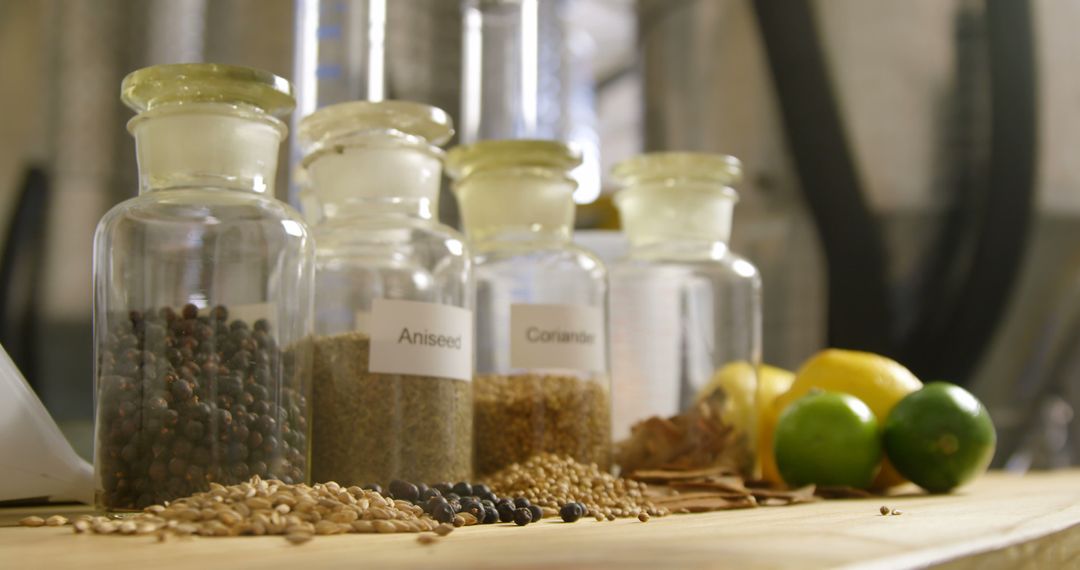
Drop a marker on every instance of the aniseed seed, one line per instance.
(298, 537)
(56, 520)
(32, 521)
(897, 512)
(444, 529)
(426, 539)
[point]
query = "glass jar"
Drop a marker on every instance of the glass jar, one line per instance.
(542, 373)
(394, 295)
(685, 311)
(202, 295)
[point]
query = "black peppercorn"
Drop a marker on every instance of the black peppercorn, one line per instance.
(443, 513)
(491, 516)
(427, 494)
(537, 512)
(444, 488)
(522, 516)
(404, 490)
(431, 503)
(570, 512)
(463, 489)
(506, 511)
(521, 502)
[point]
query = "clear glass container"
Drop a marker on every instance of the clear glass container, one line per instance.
(541, 313)
(394, 295)
(685, 309)
(202, 295)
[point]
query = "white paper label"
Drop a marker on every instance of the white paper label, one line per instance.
(421, 339)
(569, 337)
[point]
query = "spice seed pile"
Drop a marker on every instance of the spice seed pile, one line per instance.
(551, 481)
(184, 399)
(260, 507)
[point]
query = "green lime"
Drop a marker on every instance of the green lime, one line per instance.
(940, 437)
(827, 438)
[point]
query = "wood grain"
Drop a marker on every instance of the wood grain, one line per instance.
(1000, 522)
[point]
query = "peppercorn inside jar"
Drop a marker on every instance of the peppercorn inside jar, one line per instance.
(188, 398)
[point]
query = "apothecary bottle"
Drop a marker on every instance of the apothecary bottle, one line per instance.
(685, 309)
(202, 295)
(394, 295)
(542, 372)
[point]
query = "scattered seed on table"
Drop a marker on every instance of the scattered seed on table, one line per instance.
(550, 481)
(897, 512)
(884, 510)
(643, 516)
(600, 517)
(426, 539)
(298, 537)
(444, 529)
(32, 521)
(56, 520)
(458, 521)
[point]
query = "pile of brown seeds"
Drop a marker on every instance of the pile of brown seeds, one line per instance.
(519, 416)
(550, 481)
(260, 507)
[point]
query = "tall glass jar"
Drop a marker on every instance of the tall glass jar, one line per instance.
(394, 295)
(542, 373)
(202, 295)
(685, 310)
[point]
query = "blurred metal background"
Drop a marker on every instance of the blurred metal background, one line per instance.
(910, 183)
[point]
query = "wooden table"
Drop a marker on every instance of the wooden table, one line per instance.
(1002, 521)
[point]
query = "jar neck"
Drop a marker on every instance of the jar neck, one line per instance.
(355, 181)
(517, 205)
(678, 250)
(216, 145)
(355, 209)
(683, 217)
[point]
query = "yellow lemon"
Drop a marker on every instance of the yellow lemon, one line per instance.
(878, 381)
(749, 404)
(772, 382)
(736, 379)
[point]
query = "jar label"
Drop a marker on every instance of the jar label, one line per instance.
(569, 337)
(421, 339)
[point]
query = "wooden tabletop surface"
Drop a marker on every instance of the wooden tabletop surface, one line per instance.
(1002, 521)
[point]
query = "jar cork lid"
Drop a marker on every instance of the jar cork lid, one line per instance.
(668, 168)
(158, 85)
(464, 161)
(418, 120)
